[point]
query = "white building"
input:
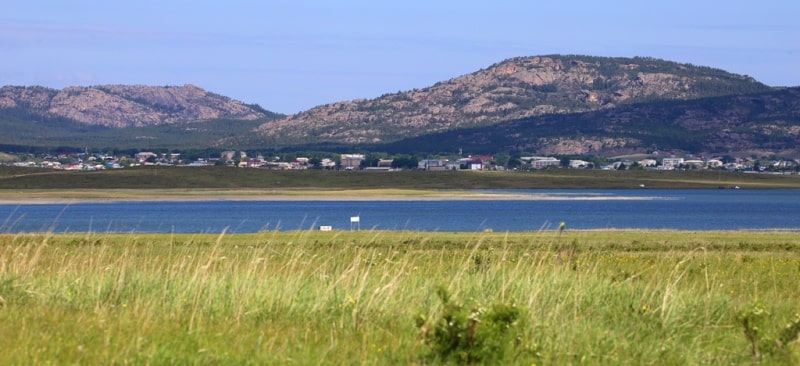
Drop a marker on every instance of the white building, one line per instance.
(352, 161)
(695, 162)
(431, 164)
(648, 162)
(143, 156)
(541, 162)
(327, 164)
(714, 163)
(578, 164)
(671, 161)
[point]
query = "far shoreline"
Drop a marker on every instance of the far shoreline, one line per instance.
(27, 197)
(10, 197)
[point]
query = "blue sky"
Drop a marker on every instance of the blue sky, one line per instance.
(289, 56)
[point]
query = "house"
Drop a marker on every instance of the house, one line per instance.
(578, 164)
(673, 162)
(298, 164)
(479, 162)
(352, 161)
(277, 165)
(254, 163)
(620, 165)
(451, 165)
(327, 164)
(198, 162)
(784, 164)
(694, 162)
(541, 162)
(431, 164)
(648, 162)
(50, 164)
(143, 156)
(714, 163)
(472, 164)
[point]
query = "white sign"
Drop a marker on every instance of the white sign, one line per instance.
(355, 218)
(325, 228)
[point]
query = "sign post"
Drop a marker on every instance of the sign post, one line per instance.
(355, 221)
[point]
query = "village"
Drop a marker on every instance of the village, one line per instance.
(383, 163)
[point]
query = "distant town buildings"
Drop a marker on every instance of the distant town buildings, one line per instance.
(356, 161)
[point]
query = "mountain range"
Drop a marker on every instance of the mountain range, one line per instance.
(556, 104)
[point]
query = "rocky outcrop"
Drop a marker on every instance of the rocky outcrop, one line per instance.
(513, 89)
(126, 105)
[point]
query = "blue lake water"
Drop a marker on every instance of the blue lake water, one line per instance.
(723, 209)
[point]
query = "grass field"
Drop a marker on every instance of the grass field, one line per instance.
(375, 297)
(225, 178)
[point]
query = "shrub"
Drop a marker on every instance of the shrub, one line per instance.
(751, 319)
(470, 334)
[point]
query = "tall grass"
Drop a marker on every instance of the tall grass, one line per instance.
(352, 298)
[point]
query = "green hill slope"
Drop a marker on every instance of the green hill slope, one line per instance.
(763, 123)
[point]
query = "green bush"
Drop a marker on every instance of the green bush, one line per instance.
(752, 319)
(470, 334)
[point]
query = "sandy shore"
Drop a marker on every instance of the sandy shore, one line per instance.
(117, 195)
(9, 197)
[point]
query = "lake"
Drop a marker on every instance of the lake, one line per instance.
(724, 209)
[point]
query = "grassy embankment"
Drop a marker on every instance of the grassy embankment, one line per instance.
(664, 297)
(182, 182)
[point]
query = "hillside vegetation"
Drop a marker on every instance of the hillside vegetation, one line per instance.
(760, 124)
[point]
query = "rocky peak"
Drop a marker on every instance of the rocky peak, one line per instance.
(126, 105)
(512, 89)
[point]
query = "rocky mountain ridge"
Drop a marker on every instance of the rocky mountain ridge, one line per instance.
(553, 104)
(123, 106)
(513, 89)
